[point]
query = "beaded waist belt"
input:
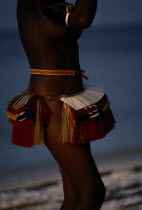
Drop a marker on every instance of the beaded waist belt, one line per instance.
(58, 72)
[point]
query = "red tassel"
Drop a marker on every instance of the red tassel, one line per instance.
(23, 131)
(22, 135)
(84, 130)
(24, 122)
(94, 128)
(98, 127)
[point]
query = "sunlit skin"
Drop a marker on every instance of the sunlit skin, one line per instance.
(49, 44)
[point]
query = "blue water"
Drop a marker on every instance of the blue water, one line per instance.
(112, 57)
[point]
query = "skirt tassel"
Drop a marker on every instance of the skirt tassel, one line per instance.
(29, 115)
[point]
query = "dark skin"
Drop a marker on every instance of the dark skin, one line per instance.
(49, 44)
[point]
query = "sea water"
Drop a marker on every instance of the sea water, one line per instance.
(111, 56)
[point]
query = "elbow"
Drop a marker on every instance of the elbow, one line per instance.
(80, 21)
(85, 23)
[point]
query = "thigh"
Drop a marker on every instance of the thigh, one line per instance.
(75, 160)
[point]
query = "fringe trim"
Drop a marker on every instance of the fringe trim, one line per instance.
(68, 124)
(97, 127)
(92, 128)
(29, 131)
(39, 131)
(74, 127)
(20, 99)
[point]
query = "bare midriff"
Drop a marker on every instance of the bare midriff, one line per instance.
(57, 84)
(49, 46)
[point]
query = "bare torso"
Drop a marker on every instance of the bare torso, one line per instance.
(48, 45)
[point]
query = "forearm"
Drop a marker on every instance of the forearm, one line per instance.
(83, 14)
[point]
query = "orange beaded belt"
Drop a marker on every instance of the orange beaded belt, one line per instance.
(58, 72)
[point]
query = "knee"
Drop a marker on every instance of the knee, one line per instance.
(90, 198)
(92, 192)
(102, 192)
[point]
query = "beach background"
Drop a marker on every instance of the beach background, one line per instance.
(111, 54)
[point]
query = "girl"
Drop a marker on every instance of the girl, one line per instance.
(56, 109)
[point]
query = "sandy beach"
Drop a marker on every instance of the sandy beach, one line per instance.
(122, 178)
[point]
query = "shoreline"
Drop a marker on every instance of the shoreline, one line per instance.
(48, 171)
(124, 188)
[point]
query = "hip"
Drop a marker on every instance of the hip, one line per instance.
(56, 85)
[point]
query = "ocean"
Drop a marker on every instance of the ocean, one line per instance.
(112, 58)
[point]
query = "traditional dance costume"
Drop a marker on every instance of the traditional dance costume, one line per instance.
(86, 115)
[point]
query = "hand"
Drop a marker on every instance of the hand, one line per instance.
(54, 10)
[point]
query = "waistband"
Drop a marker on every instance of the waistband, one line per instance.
(58, 72)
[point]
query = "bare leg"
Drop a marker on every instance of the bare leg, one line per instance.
(77, 164)
(69, 193)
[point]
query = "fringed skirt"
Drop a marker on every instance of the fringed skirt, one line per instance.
(86, 116)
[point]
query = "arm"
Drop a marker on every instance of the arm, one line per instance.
(32, 4)
(83, 14)
(80, 17)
